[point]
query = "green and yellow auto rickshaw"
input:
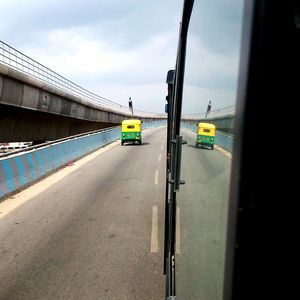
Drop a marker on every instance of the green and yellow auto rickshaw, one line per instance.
(131, 131)
(206, 135)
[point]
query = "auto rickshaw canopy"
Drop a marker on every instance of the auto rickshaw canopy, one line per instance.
(131, 125)
(206, 129)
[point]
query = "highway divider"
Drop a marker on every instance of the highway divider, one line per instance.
(21, 168)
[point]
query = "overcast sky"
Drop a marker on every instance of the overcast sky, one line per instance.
(124, 48)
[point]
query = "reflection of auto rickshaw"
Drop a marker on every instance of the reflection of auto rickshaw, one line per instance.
(206, 135)
(131, 131)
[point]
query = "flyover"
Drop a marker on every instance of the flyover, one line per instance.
(37, 104)
(223, 118)
(95, 229)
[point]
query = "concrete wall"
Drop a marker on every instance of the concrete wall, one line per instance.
(14, 92)
(25, 168)
(223, 123)
(31, 110)
(21, 125)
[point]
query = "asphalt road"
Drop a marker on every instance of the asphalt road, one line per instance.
(202, 205)
(93, 230)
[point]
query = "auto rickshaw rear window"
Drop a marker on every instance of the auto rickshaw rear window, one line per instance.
(206, 130)
(130, 126)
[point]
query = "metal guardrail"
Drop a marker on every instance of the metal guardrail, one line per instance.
(224, 140)
(35, 147)
(21, 168)
(225, 111)
(15, 59)
(146, 125)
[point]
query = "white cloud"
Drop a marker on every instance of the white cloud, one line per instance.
(124, 48)
(74, 53)
(208, 68)
(196, 98)
(146, 97)
(113, 73)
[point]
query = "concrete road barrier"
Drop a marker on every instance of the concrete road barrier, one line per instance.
(24, 168)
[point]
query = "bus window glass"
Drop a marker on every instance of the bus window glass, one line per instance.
(211, 74)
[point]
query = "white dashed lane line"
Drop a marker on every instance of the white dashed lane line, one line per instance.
(154, 231)
(178, 230)
(156, 177)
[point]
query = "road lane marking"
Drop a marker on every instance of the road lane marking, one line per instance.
(159, 158)
(178, 230)
(156, 177)
(224, 151)
(154, 231)
(162, 147)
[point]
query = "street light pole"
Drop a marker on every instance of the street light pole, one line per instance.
(130, 105)
(208, 109)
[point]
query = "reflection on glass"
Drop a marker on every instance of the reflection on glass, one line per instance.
(209, 99)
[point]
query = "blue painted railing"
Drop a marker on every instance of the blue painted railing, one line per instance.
(224, 140)
(25, 167)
